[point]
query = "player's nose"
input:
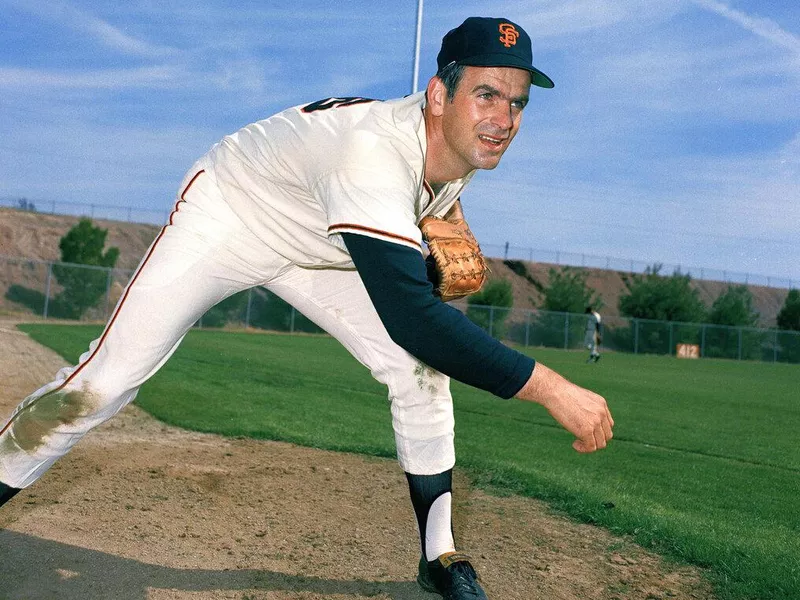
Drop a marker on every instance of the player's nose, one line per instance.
(502, 117)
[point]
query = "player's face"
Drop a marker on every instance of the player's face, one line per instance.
(485, 114)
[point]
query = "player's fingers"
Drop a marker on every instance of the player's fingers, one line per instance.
(580, 447)
(599, 438)
(586, 441)
(607, 432)
(610, 418)
(585, 447)
(602, 407)
(604, 410)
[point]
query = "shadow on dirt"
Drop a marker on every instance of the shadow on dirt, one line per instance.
(32, 568)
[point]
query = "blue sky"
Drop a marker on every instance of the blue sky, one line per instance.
(672, 135)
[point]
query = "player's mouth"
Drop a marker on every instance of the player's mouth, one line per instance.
(492, 141)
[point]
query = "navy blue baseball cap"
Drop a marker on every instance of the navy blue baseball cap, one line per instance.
(491, 42)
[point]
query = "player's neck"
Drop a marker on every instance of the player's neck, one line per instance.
(440, 167)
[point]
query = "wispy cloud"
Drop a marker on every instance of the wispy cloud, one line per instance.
(760, 26)
(72, 17)
(555, 18)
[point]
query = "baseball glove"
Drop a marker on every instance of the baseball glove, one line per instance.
(455, 265)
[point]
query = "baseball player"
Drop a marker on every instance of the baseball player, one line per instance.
(322, 204)
(593, 336)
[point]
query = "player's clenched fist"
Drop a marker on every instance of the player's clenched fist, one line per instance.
(580, 411)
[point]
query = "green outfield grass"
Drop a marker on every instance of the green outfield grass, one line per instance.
(704, 467)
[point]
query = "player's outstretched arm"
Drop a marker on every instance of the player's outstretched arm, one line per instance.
(580, 411)
(443, 338)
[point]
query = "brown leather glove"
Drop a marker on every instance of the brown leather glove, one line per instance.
(455, 259)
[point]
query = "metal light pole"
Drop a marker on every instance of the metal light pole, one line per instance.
(415, 78)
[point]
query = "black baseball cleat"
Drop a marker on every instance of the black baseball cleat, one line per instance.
(451, 576)
(6, 492)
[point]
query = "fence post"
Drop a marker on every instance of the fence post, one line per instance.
(249, 304)
(775, 348)
(491, 319)
(703, 341)
(47, 289)
(291, 321)
(740, 343)
(671, 340)
(636, 336)
(566, 331)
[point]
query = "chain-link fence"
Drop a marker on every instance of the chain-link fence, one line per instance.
(637, 336)
(78, 292)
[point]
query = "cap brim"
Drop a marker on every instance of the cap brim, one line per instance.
(504, 60)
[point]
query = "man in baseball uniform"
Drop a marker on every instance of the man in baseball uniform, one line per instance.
(593, 337)
(321, 204)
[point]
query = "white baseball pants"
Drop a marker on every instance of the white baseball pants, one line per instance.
(205, 254)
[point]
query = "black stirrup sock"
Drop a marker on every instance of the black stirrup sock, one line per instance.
(431, 497)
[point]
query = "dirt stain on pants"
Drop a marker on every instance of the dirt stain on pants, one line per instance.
(31, 426)
(424, 373)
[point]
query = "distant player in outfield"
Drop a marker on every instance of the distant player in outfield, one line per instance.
(322, 204)
(593, 337)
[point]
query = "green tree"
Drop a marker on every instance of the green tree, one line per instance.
(232, 309)
(734, 309)
(789, 315)
(567, 291)
(660, 298)
(83, 287)
(789, 320)
(663, 298)
(490, 307)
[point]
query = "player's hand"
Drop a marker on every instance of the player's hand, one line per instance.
(580, 411)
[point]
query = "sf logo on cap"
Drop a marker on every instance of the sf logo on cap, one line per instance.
(510, 34)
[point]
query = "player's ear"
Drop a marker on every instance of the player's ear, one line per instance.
(436, 94)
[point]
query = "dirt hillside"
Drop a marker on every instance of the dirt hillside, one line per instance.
(36, 235)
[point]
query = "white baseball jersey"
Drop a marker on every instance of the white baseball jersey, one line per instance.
(344, 165)
(593, 322)
(592, 330)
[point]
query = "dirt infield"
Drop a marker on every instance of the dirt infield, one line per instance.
(141, 511)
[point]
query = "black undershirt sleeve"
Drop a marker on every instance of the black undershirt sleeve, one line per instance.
(427, 328)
